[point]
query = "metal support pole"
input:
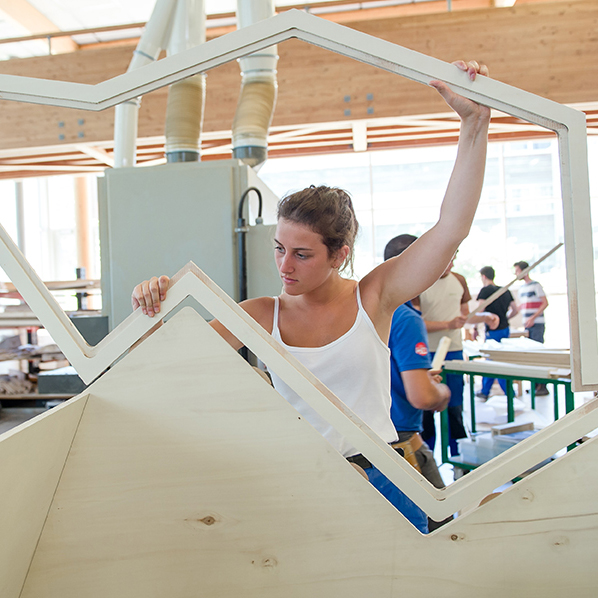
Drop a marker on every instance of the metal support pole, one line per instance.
(569, 399)
(82, 296)
(444, 436)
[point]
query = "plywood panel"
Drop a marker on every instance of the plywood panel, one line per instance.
(32, 457)
(190, 476)
(547, 49)
(191, 472)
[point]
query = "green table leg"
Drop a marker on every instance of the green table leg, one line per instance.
(444, 436)
(472, 402)
(569, 398)
(510, 406)
(556, 400)
(532, 393)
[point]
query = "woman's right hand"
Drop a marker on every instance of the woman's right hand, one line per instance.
(149, 294)
(466, 109)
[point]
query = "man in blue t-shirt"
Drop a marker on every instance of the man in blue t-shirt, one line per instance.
(413, 387)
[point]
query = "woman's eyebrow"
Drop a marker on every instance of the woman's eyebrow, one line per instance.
(294, 248)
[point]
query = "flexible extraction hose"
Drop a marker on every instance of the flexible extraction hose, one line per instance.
(184, 119)
(258, 90)
(241, 231)
(253, 117)
(186, 99)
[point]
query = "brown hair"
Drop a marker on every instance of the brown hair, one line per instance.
(329, 212)
(488, 272)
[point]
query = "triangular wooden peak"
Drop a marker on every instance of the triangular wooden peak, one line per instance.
(90, 362)
(191, 281)
(181, 472)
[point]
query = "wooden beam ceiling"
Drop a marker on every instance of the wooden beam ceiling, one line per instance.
(545, 48)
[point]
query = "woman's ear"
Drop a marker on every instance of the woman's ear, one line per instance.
(341, 256)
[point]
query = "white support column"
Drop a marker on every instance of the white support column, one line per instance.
(20, 210)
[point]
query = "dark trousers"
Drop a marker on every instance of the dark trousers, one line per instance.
(454, 411)
(455, 425)
(536, 332)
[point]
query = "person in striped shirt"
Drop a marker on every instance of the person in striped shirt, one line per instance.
(532, 303)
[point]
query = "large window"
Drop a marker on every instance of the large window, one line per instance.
(394, 192)
(44, 217)
(400, 191)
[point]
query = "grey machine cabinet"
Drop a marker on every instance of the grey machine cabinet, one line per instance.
(153, 220)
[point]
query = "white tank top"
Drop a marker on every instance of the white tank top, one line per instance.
(356, 368)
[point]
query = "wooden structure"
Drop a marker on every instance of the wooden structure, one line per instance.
(181, 472)
(181, 468)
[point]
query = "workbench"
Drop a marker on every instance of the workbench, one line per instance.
(509, 372)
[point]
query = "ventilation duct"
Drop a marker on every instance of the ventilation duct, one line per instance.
(186, 99)
(258, 90)
(147, 51)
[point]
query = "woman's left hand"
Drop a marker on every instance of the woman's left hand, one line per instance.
(466, 109)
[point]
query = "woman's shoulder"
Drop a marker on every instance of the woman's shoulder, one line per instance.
(261, 309)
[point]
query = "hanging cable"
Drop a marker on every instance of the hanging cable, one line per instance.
(241, 231)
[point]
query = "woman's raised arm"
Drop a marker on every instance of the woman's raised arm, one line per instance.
(401, 278)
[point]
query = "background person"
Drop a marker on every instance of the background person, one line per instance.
(532, 303)
(505, 308)
(413, 386)
(445, 307)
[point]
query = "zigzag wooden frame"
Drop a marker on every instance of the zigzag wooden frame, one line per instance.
(569, 125)
(90, 362)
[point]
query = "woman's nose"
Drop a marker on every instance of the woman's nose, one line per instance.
(285, 264)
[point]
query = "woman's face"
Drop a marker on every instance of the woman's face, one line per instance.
(301, 257)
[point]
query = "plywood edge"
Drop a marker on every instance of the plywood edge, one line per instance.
(32, 459)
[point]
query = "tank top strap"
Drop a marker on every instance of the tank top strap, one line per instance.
(275, 331)
(359, 305)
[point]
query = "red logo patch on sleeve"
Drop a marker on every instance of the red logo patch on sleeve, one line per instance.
(421, 349)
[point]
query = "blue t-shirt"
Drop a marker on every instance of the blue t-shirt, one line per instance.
(408, 344)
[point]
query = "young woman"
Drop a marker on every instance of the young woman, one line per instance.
(337, 327)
